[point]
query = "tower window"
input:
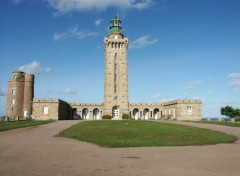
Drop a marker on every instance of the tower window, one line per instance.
(115, 77)
(13, 101)
(13, 91)
(45, 110)
(115, 89)
(115, 57)
(115, 67)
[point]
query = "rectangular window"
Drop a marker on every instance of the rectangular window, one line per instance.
(189, 110)
(115, 67)
(25, 113)
(13, 101)
(13, 91)
(45, 110)
(115, 77)
(115, 89)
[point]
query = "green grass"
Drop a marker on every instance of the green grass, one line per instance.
(143, 134)
(4, 126)
(232, 124)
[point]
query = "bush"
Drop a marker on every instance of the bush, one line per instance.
(125, 116)
(106, 116)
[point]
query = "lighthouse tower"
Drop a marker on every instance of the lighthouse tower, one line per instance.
(116, 71)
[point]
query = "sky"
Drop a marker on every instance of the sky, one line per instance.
(178, 49)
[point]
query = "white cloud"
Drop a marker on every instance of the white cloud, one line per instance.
(234, 82)
(98, 22)
(142, 42)
(73, 32)
(192, 84)
(17, 1)
(34, 68)
(209, 92)
(235, 85)
(69, 91)
(66, 6)
(234, 75)
(3, 92)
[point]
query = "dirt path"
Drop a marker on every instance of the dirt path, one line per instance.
(37, 151)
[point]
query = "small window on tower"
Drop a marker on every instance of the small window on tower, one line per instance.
(13, 91)
(115, 77)
(13, 101)
(115, 89)
(115, 57)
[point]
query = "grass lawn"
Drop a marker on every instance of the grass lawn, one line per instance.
(130, 133)
(21, 124)
(232, 124)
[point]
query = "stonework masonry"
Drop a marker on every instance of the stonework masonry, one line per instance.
(20, 95)
(20, 101)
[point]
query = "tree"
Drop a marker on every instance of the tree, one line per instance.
(230, 111)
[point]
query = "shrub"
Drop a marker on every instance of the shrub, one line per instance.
(125, 116)
(106, 116)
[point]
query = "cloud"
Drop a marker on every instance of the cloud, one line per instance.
(74, 32)
(159, 98)
(209, 92)
(3, 92)
(142, 42)
(67, 6)
(234, 81)
(35, 68)
(192, 84)
(234, 75)
(235, 85)
(98, 22)
(69, 91)
(17, 1)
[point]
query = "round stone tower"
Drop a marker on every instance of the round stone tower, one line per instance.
(116, 71)
(20, 95)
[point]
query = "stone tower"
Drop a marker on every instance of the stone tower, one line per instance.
(20, 95)
(116, 71)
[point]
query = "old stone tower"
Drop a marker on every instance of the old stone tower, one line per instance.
(20, 95)
(116, 73)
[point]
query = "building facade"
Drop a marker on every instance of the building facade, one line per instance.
(20, 101)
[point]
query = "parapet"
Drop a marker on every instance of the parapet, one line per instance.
(48, 100)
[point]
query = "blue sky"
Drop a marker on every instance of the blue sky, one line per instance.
(178, 49)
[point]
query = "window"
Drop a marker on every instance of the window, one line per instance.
(45, 110)
(189, 110)
(115, 57)
(115, 77)
(115, 89)
(25, 113)
(115, 67)
(13, 101)
(13, 91)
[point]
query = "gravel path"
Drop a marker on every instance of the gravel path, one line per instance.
(37, 151)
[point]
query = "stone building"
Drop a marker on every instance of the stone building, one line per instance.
(22, 104)
(20, 95)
